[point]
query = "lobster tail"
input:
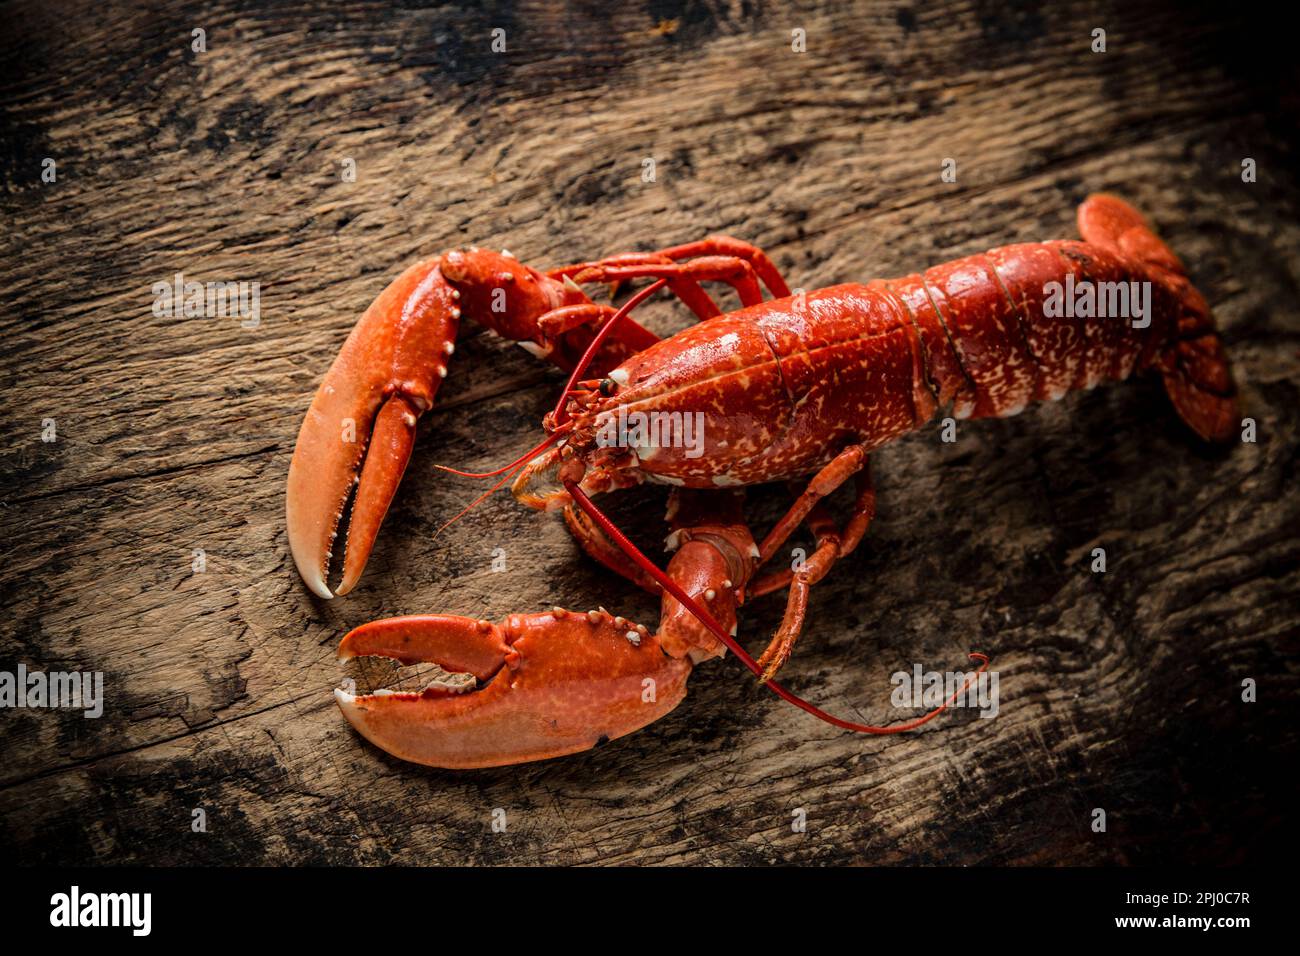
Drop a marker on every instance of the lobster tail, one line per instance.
(1199, 384)
(1111, 223)
(1194, 366)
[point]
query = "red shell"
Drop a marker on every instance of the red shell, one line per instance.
(782, 386)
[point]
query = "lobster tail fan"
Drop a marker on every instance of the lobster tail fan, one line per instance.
(1199, 385)
(1113, 224)
(1194, 366)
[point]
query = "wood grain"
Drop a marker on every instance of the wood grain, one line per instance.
(1119, 690)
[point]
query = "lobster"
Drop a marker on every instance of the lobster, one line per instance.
(789, 387)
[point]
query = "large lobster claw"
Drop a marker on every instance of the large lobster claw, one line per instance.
(549, 684)
(360, 428)
(381, 382)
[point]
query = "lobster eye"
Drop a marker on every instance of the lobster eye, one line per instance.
(608, 387)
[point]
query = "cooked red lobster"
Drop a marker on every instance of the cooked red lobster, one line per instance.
(784, 389)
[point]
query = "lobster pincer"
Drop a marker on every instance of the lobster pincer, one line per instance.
(554, 682)
(358, 434)
(548, 684)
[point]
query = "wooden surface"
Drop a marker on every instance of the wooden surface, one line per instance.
(1119, 691)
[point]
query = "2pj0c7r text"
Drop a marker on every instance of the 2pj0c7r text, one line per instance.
(1199, 899)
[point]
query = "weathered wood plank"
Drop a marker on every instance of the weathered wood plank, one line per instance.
(1119, 690)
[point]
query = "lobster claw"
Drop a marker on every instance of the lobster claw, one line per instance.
(549, 684)
(360, 429)
(365, 410)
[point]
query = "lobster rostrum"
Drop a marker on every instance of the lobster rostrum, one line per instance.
(793, 387)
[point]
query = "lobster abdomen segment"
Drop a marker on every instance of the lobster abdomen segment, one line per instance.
(1002, 347)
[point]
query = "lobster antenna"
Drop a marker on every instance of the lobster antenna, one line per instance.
(671, 586)
(540, 447)
(507, 472)
(475, 503)
(597, 341)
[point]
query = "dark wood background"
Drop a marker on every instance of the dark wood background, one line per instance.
(1119, 690)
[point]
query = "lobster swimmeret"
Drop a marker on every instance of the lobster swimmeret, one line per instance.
(793, 387)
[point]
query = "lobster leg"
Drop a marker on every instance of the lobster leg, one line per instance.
(825, 554)
(718, 245)
(513, 300)
(715, 245)
(831, 546)
(686, 288)
(566, 330)
(734, 271)
(864, 510)
(685, 520)
(842, 467)
(569, 317)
